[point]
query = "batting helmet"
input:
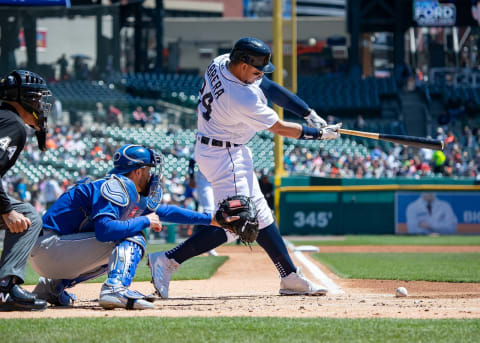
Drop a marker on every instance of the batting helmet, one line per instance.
(31, 92)
(253, 52)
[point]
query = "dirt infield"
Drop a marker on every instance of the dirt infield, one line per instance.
(247, 285)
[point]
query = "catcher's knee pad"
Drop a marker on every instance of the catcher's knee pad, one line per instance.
(124, 261)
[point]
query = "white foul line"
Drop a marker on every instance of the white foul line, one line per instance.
(333, 288)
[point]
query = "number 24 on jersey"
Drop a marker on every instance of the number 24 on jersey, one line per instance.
(4, 142)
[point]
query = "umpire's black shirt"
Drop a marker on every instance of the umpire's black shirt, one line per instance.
(13, 136)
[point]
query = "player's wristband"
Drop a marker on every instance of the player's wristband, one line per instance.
(310, 133)
(307, 113)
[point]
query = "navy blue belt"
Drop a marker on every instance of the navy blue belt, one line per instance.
(216, 142)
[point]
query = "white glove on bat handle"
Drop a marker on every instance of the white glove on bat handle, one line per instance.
(314, 120)
(330, 132)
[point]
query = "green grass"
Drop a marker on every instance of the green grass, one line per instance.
(197, 268)
(239, 329)
(393, 240)
(448, 267)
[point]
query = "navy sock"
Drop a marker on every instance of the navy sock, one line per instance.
(270, 240)
(205, 239)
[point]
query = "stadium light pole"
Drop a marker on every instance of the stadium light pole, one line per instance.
(278, 77)
(294, 46)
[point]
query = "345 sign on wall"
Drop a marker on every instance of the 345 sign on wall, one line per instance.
(314, 219)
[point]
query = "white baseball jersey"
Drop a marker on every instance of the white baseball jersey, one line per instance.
(230, 110)
(233, 111)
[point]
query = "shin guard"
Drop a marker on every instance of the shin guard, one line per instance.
(124, 261)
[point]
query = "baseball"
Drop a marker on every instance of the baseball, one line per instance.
(401, 292)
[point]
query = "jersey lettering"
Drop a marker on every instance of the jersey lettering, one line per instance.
(236, 110)
(4, 142)
(207, 104)
(216, 90)
(133, 212)
(206, 101)
(11, 151)
(215, 81)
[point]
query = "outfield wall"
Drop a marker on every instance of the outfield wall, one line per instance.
(379, 208)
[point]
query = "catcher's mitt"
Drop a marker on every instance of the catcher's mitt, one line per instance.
(242, 206)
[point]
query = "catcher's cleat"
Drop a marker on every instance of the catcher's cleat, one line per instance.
(15, 298)
(152, 297)
(162, 269)
(121, 297)
(53, 291)
(297, 284)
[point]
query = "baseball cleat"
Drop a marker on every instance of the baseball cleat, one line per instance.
(152, 297)
(212, 253)
(121, 297)
(162, 269)
(15, 298)
(297, 284)
(53, 291)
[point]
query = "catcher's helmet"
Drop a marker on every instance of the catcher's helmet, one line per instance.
(254, 52)
(31, 92)
(130, 157)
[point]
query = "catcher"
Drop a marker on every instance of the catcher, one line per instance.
(96, 227)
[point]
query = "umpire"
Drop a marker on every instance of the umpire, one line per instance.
(25, 100)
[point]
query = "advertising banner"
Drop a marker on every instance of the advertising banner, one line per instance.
(437, 212)
(437, 13)
(41, 39)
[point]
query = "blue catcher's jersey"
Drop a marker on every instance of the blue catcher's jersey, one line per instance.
(115, 196)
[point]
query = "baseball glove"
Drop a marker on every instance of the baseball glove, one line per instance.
(246, 228)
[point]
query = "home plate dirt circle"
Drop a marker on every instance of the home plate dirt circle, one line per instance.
(248, 283)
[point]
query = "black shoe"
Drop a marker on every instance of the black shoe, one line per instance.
(15, 298)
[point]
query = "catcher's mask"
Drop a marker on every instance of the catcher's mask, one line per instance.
(31, 92)
(131, 157)
(253, 52)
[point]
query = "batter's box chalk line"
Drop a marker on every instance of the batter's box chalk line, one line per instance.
(333, 288)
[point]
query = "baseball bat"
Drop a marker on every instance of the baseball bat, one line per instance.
(418, 142)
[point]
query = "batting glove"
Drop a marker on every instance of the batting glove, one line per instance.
(330, 132)
(314, 120)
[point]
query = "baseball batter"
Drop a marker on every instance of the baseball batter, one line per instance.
(233, 106)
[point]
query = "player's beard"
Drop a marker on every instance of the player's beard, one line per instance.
(144, 185)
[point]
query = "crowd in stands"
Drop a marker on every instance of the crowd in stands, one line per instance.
(461, 158)
(396, 161)
(109, 108)
(138, 117)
